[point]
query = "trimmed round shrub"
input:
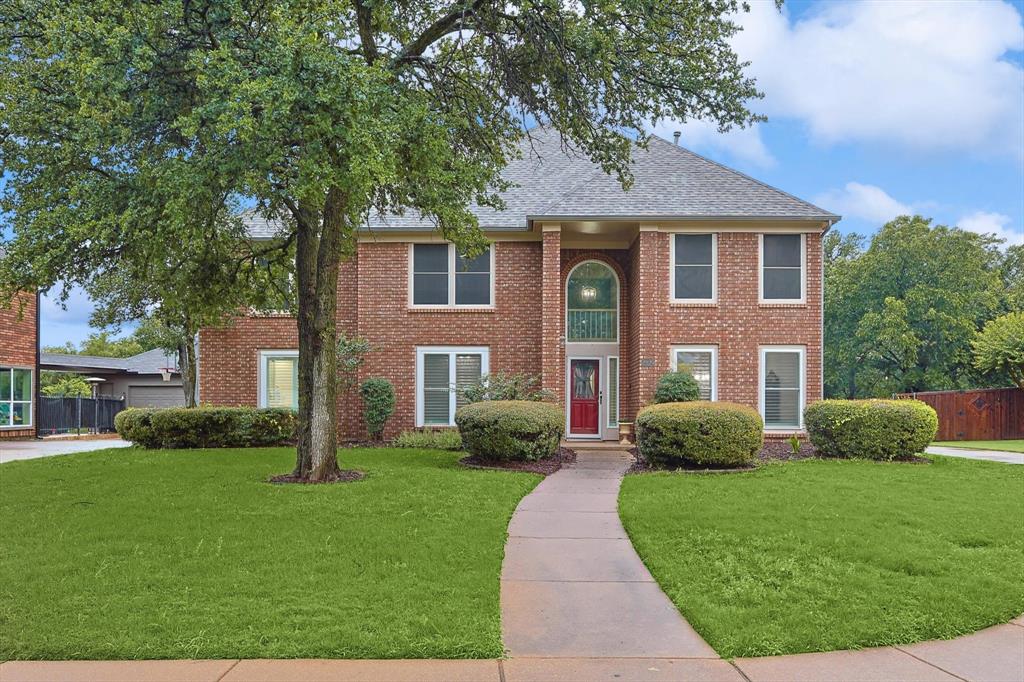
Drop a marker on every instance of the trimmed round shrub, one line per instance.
(702, 433)
(510, 429)
(872, 429)
(206, 427)
(676, 387)
(134, 424)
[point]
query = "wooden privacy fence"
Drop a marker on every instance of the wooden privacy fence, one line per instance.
(983, 414)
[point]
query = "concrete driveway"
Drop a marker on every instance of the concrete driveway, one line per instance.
(990, 455)
(31, 449)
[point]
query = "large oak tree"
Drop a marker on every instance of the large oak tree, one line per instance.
(118, 117)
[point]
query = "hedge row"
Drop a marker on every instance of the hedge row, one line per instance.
(872, 429)
(702, 433)
(510, 429)
(206, 427)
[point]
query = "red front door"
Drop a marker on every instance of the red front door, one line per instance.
(584, 396)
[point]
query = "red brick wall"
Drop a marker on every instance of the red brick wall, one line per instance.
(229, 357)
(525, 331)
(738, 324)
(18, 344)
(512, 330)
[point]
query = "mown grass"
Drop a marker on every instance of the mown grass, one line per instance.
(1004, 445)
(822, 555)
(125, 554)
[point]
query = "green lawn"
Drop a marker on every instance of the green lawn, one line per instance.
(1004, 445)
(191, 554)
(820, 555)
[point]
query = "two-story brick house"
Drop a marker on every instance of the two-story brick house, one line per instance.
(597, 290)
(19, 359)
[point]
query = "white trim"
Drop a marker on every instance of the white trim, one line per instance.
(674, 362)
(802, 352)
(760, 273)
(31, 402)
(608, 391)
(672, 269)
(451, 305)
(483, 351)
(618, 303)
(568, 399)
(261, 396)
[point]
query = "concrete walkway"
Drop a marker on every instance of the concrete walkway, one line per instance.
(32, 449)
(574, 593)
(990, 455)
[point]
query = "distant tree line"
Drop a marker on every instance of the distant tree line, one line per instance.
(905, 311)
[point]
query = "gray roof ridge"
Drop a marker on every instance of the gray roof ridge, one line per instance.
(729, 169)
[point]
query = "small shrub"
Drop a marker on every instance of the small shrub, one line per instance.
(510, 429)
(501, 386)
(703, 433)
(872, 429)
(676, 387)
(447, 439)
(379, 403)
(206, 427)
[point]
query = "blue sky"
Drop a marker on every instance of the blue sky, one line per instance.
(875, 109)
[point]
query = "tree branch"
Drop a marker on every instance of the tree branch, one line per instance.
(455, 20)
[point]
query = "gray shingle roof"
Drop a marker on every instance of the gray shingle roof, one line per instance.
(149, 362)
(670, 182)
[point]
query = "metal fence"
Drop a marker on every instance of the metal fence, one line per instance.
(77, 415)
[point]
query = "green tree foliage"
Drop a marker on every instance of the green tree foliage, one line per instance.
(132, 130)
(900, 315)
(379, 404)
(999, 348)
(64, 385)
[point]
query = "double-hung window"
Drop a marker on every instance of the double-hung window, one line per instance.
(782, 268)
(15, 398)
(443, 278)
(702, 363)
(440, 374)
(279, 379)
(694, 264)
(782, 387)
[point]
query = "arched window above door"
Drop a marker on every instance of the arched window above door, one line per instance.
(592, 303)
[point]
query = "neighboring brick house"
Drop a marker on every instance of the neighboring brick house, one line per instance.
(596, 290)
(19, 359)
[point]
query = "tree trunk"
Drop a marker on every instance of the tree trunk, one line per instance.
(317, 258)
(187, 367)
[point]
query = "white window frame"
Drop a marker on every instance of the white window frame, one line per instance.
(451, 281)
(803, 271)
(608, 391)
(30, 402)
(261, 398)
(674, 362)
(802, 351)
(672, 268)
(485, 360)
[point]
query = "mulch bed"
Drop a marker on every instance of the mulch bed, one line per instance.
(343, 476)
(545, 466)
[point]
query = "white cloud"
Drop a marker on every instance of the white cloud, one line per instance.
(923, 75)
(868, 202)
(996, 224)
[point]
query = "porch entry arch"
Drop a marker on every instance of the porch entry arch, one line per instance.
(592, 305)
